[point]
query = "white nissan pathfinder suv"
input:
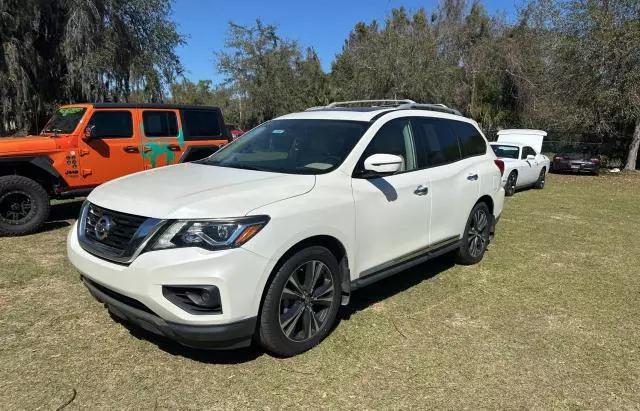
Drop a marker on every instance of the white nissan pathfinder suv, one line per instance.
(265, 239)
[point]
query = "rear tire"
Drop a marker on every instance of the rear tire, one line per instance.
(540, 183)
(24, 205)
(298, 312)
(510, 185)
(476, 235)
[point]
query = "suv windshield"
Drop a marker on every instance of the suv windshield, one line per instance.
(65, 120)
(505, 151)
(298, 146)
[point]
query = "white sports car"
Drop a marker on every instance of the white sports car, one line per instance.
(524, 165)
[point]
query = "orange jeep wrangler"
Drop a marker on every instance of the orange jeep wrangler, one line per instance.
(85, 145)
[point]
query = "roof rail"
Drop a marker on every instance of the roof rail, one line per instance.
(373, 103)
(432, 107)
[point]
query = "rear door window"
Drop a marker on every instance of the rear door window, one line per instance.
(160, 123)
(436, 142)
(201, 124)
(112, 124)
(471, 141)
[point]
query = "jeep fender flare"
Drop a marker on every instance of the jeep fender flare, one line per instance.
(41, 163)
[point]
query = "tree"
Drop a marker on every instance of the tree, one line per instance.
(269, 73)
(55, 51)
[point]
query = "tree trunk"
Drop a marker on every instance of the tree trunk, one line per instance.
(632, 157)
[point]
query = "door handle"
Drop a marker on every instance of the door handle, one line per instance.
(421, 191)
(173, 147)
(472, 177)
(146, 149)
(131, 149)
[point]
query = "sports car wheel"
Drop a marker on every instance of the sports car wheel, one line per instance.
(510, 186)
(540, 182)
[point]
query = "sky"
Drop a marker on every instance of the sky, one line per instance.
(323, 25)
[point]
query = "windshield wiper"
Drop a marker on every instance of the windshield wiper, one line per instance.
(244, 167)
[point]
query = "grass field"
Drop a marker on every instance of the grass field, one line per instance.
(549, 319)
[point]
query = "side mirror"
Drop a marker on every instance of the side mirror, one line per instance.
(530, 157)
(383, 163)
(89, 133)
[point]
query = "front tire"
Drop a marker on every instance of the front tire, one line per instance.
(541, 178)
(510, 186)
(24, 205)
(476, 235)
(301, 303)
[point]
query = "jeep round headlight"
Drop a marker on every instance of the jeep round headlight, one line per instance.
(209, 234)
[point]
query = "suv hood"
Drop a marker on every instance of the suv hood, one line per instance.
(193, 190)
(26, 145)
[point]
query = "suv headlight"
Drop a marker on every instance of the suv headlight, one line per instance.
(209, 234)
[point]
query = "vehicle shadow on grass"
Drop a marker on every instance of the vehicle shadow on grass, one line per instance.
(60, 214)
(237, 356)
(360, 300)
(383, 289)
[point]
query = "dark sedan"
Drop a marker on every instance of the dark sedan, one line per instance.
(576, 159)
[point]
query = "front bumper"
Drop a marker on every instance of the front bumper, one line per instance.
(239, 275)
(227, 336)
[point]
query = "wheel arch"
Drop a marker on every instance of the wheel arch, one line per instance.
(331, 243)
(37, 168)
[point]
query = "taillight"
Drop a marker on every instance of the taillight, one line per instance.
(558, 158)
(500, 165)
(595, 160)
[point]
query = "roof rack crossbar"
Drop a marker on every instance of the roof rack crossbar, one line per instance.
(384, 103)
(432, 107)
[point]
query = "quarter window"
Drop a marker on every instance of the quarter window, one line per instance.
(471, 141)
(393, 138)
(527, 151)
(160, 123)
(200, 124)
(112, 124)
(437, 143)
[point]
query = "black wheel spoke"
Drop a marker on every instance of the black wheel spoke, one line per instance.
(15, 207)
(291, 320)
(306, 297)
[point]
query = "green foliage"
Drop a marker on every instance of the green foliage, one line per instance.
(57, 51)
(269, 75)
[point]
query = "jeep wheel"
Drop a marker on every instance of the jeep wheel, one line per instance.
(24, 205)
(510, 186)
(476, 235)
(301, 303)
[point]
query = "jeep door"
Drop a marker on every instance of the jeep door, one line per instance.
(392, 212)
(110, 147)
(162, 137)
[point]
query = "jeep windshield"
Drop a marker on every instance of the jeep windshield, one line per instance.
(297, 146)
(64, 120)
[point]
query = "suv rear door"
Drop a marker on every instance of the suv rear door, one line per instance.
(114, 149)
(392, 212)
(454, 176)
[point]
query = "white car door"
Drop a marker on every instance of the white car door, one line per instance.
(392, 212)
(530, 168)
(454, 180)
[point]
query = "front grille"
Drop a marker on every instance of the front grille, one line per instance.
(112, 235)
(123, 227)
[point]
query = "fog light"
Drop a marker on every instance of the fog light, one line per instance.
(195, 299)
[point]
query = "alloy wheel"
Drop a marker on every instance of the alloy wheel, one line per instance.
(306, 301)
(16, 207)
(477, 234)
(511, 183)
